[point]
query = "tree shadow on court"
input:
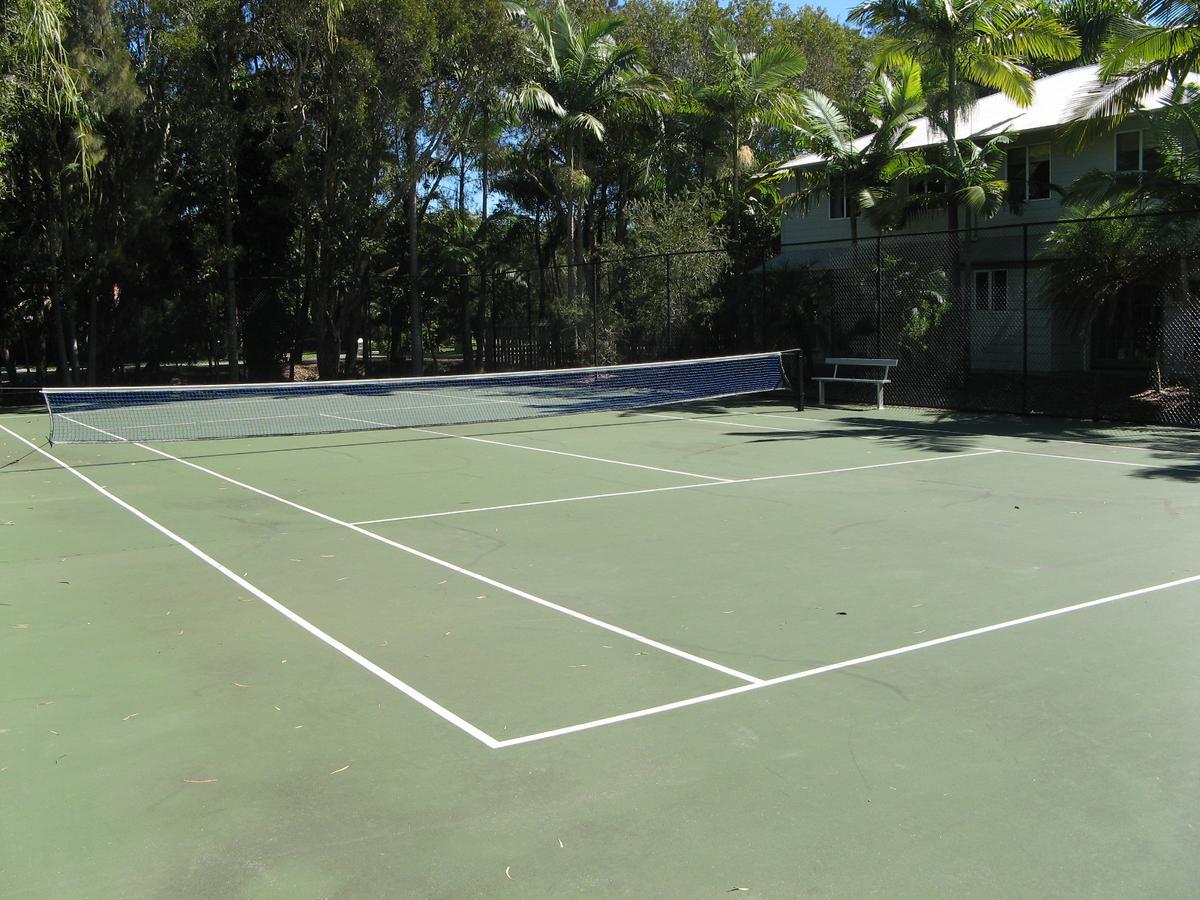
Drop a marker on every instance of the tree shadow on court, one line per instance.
(907, 441)
(1187, 472)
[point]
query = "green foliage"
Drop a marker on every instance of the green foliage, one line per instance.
(187, 178)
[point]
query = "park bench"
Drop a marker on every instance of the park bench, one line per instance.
(860, 372)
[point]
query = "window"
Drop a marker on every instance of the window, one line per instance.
(840, 205)
(922, 186)
(991, 289)
(1029, 172)
(1136, 152)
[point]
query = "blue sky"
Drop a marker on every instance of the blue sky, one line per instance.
(836, 8)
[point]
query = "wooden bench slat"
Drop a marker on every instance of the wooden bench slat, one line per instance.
(858, 380)
(859, 361)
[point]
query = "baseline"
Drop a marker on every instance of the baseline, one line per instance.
(844, 664)
(354, 656)
(679, 487)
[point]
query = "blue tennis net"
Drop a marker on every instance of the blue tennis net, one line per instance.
(177, 413)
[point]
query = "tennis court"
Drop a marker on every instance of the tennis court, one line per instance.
(714, 646)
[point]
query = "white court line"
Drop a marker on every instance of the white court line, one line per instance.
(845, 664)
(679, 487)
(405, 688)
(1105, 462)
(92, 427)
(516, 592)
(479, 440)
(1022, 436)
(715, 420)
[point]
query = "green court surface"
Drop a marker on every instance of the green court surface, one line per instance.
(697, 651)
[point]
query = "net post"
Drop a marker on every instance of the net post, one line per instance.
(792, 363)
(49, 415)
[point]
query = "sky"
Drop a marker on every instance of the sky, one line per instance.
(836, 8)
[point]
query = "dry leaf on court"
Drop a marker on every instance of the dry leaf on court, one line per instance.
(507, 872)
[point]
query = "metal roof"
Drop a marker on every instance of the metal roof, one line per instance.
(1055, 102)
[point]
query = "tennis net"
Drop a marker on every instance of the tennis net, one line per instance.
(177, 413)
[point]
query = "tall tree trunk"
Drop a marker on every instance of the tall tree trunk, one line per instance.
(57, 319)
(411, 213)
(489, 337)
(464, 283)
(229, 187)
(93, 348)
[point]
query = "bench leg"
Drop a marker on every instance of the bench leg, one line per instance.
(879, 396)
(821, 393)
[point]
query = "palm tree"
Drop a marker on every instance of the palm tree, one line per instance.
(964, 45)
(1094, 21)
(586, 78)
(751, 91)
(1142, 57)
(865, 166)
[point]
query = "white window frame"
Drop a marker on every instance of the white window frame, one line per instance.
(841, 179)
(1141, 152)
(1023, 194)
(991, 306)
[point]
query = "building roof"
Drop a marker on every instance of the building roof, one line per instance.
(1055, 101)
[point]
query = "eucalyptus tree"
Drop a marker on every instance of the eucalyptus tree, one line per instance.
(963, 46)
(368, 93)
(212, 47)
(65, 77)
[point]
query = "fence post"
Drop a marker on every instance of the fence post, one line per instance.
(762, 313)
(1024, 319)
(878, 295)
(670, 342)
(367, 331)
(595, 311)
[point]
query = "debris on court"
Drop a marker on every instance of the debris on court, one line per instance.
(339, 771)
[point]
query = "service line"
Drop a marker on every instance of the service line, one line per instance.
(681, 487)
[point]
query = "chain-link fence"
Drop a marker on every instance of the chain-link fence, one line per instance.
(1094, 318)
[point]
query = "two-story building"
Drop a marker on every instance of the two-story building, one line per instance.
(1013, 323)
